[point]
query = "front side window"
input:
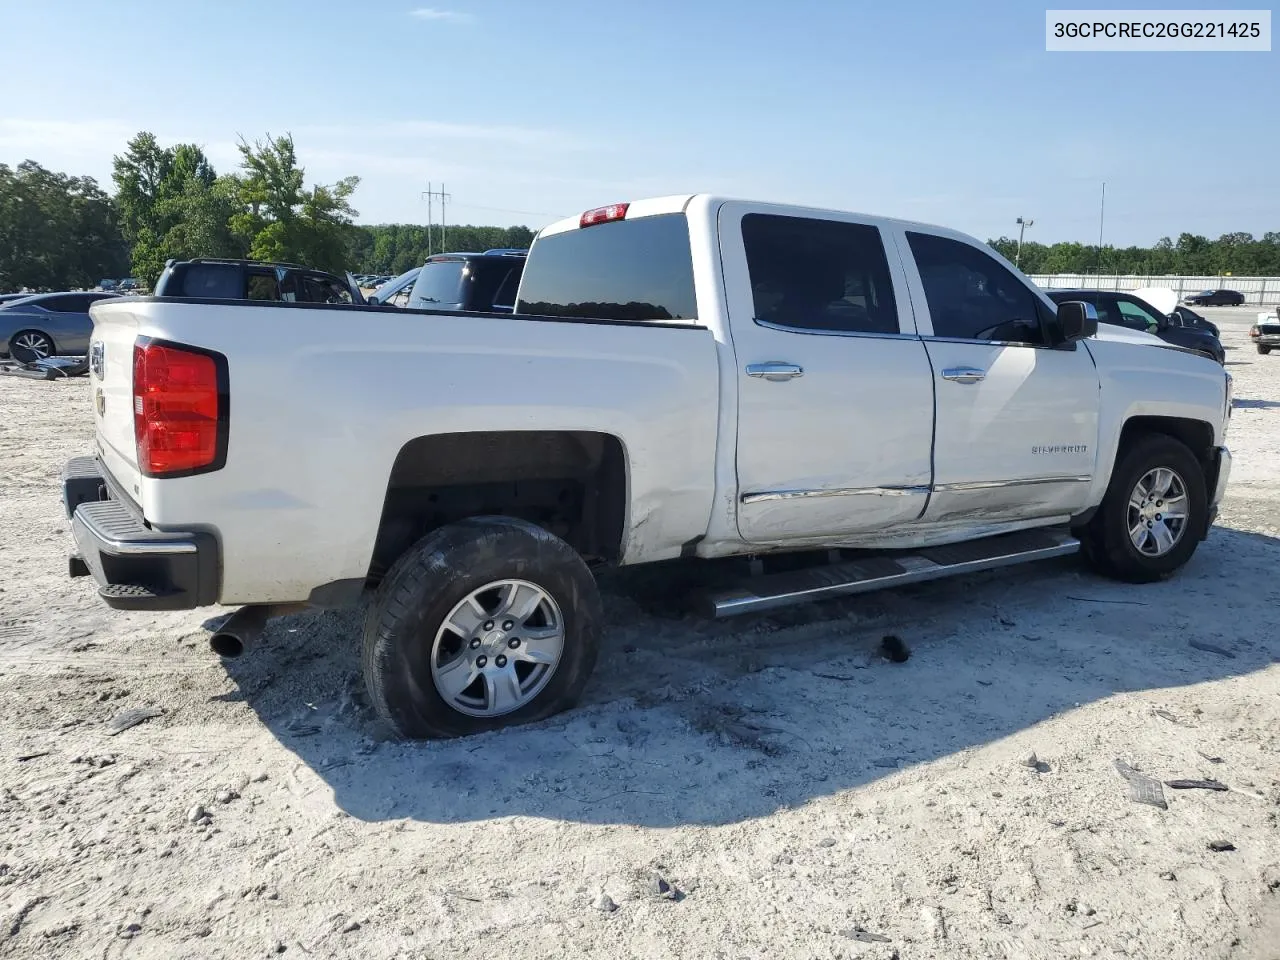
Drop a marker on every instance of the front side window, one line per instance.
(811, 274)
(971, 296)
(638, 269)
(323, 290)
(1135, 316)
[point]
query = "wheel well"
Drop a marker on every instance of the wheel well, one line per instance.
(1196, 435)
(572, 483)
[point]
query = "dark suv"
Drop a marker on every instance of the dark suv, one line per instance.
(1126, 310)
(254, 280)
(470, 282)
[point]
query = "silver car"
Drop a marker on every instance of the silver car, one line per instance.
(46, 324)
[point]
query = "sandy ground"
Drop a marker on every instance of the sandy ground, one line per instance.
(802, 796)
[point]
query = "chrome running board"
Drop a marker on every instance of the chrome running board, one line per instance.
(877, 571)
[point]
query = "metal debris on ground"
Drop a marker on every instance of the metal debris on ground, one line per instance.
(1142, 789)
(127, 719)
(1196, 785)
(865, 936)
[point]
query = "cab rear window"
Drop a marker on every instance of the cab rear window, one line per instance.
(638, 269)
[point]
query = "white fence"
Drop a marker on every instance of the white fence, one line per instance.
(1258, 291)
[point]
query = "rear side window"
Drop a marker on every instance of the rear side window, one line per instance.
(623, 270)
(212, 282)
(811, 274)
(439, 285)
(263, 286)
(323, 290)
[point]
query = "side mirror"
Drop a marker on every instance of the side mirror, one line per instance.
(1077, 320)
(371, 300)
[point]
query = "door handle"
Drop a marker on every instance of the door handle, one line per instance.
(964, 374)
(775, 371)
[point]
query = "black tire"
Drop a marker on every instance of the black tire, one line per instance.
(40, 346)
(1105, 540)
(1264, 348)
(433, 577)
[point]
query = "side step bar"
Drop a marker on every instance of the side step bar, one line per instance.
(876, 571)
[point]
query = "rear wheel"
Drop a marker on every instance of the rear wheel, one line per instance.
(1154, 513)
(29, 345)
(1264, 348)
(485, 623)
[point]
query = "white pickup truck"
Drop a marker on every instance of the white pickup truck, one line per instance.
(682, 377)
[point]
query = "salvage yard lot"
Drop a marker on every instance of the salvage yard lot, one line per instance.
(802, 795)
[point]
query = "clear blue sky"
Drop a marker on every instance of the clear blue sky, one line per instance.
(946, 111)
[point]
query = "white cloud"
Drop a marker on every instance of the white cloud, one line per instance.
(442, 16)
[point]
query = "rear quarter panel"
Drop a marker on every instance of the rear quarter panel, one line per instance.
(323, 398)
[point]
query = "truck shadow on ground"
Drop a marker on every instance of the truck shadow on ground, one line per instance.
(696, 722)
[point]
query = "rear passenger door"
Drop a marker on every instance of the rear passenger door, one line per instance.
(1017, 419)
(69, 323)
(834, 392)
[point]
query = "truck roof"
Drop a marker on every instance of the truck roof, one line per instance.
(679, 203)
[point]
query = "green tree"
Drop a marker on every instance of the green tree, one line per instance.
(56, 231)
(173, 205)
(283, 220)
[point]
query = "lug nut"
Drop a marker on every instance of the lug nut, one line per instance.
(508, 624)
(1159, 517)
(488, 624)
(482, 662)
(475, 642)
(513, 642)
(1159, 503)
(500, 660)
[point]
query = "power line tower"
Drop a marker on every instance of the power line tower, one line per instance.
(431, 196)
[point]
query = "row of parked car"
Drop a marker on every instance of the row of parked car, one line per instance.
(35, 327)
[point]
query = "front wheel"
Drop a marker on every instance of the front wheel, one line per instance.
(1264, 348)
(485, 623)
(1153, 516)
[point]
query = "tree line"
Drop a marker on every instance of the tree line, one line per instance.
(1238, 254)
(59, 231)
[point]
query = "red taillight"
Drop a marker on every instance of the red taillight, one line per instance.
(615, 211)
(1255, 332)
(179, 410)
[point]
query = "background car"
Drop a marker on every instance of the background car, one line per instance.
(1187, 317)
(47, 324)
(1216, 298)
(1166, 301)
(1126, 310)
(395, 293)
(470, 282)
(209, 279)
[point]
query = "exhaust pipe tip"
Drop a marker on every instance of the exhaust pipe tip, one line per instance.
(240, 631)
(226, 645)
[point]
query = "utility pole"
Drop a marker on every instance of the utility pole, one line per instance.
(430, 194)
(1022, 226)
(1102, 212)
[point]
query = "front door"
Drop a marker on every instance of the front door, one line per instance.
(1017, 423)
(835, 397)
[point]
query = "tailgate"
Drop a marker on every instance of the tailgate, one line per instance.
(115, 326)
